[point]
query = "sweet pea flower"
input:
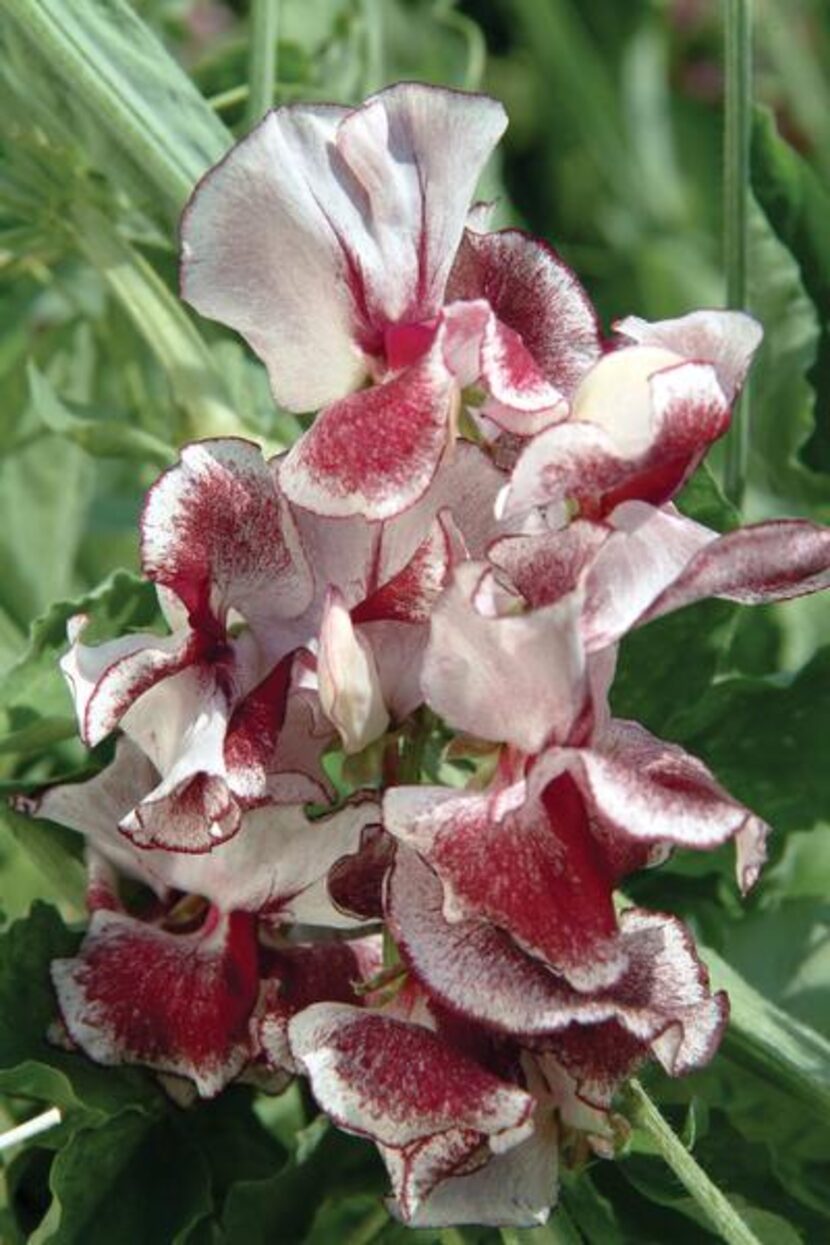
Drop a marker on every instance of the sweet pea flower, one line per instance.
(182, 983)
(334, 241)
(641, 417)
(208, 702)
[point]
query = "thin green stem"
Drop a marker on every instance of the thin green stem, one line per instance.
(725, 1220)
(262, 57)
(737, 122)
(368, 1228)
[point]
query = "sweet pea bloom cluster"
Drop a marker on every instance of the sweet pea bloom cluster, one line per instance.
(369, 814)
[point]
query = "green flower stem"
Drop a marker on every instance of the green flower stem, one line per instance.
(369, 1227)
(262, 58)
(725, 1220)
(737, 133)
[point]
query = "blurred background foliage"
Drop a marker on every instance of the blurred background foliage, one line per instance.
(614, 154)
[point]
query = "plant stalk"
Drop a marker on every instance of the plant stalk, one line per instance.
(737, 133)
(262, 58)
(725, 1220)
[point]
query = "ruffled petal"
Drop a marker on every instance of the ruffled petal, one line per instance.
(472, 968)
(177, 1003)
(432, 1110)
(536, 297)
(530, 866)
(726, 339)
(374, 453)
(651, 791)
(106, 679)
(217, 533)
(264, 250)
(641, 421)
(762, 562)
(403, 146)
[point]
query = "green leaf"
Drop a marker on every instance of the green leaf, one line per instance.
(112, 66)
(55, 852)
(103, 438)
(35, 704)
(765, 739)
(135, 1180)
(327, 1164)
(668, 665)
(768, 1041)
(29, 1064)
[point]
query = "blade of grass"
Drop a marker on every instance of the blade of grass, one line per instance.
(737, 134)
(262, 57)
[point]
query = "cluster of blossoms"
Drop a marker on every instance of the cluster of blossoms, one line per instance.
(479, 513)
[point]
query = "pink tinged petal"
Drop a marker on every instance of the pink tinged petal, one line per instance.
(309, 973)
(177, 1003)
(294, 773)
(512, 1189)
(641, 421)
(409, 596)
(544, 568)
(253, 729)
(356, 881)
(596, 1059)
(531, 867)
(271, 241)
(645, 550)
(726, 339)
(432, 1110)
(107, 679)
(398, 650)
(217, 533)
(95, 807)
(477, 971)
(276, 865)
(358, 557)
(652, 791)
(350, 691)
(536, 298)
(515, 679)
(180, 725)
(763, 562)
(375, 452)
(417, 152)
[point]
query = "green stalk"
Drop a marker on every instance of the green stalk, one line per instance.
(262, 57)
(722, 1215)
(737, 131)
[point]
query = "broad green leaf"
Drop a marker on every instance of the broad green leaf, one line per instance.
(55, 852)
(327, 1165)
(45, 494)
(783, 401)
(35, 705)
(134, 1180)
(29, 1064)
(112, 65)
(797, 205)
(766, 740)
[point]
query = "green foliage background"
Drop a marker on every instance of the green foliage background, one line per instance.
(108, 114)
